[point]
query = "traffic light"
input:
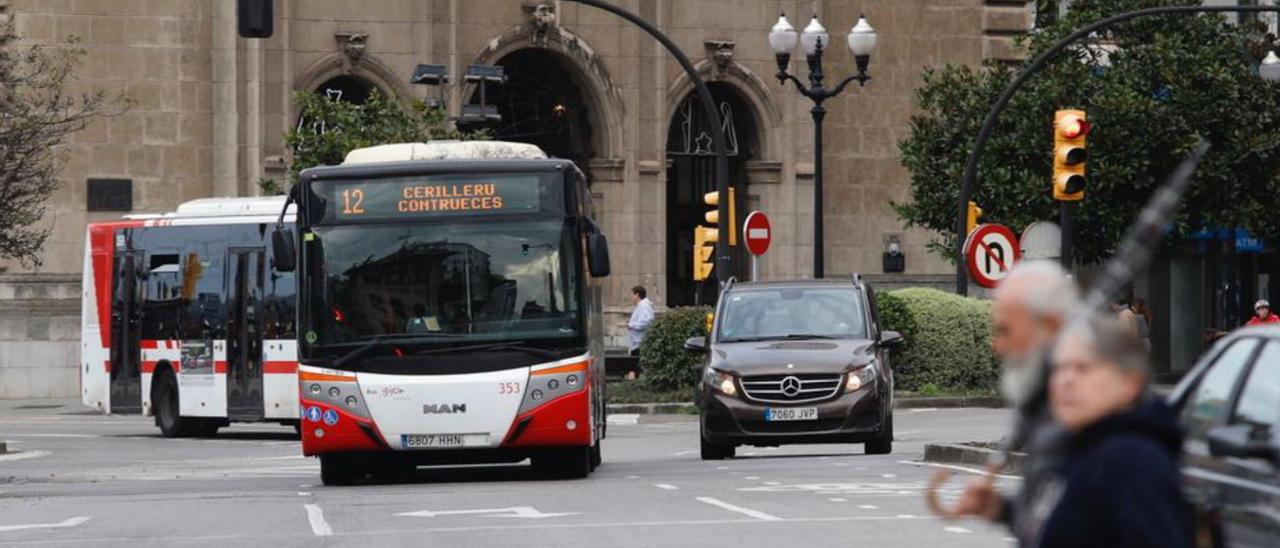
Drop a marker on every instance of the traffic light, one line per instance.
(1070, 127)
(706, 237)
(975, 213)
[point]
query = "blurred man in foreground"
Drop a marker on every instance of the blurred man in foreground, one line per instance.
(1031, 306)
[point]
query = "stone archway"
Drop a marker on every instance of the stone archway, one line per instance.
(599, 95)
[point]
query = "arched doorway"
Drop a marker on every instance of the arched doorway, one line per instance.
(542, 104)
(346, 88)
(691, 164)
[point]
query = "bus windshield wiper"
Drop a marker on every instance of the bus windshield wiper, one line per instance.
(505, 345)
(379, 340)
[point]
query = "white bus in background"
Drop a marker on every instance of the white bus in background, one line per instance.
(185, 318)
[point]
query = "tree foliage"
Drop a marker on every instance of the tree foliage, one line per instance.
(1151, 87)
(37, 112)
(331, 128)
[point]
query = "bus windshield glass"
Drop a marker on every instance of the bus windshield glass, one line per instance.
(463, 282)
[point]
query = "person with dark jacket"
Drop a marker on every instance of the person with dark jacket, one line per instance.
(1119, 483)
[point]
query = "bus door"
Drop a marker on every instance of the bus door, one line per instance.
(126, 323)
(244, 334)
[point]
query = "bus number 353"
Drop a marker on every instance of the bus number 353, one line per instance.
(508, 388)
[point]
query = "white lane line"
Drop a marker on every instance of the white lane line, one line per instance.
(666, 487)
(868, 507)
(752, 477)
(23, 455)
(623, 418)
(316, 517)
(773, 483)
(905, 516)
(71, 522)
(304, 493)
(958, 530)
(955, 467)
(683, 453)
(888, 475)
(838, 500)
(722, 468)
(744, 511)
(52, 436)
(633, 477)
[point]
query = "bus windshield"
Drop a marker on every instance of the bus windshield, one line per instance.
(442, 284)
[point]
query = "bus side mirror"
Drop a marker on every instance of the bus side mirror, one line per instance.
(282, 251)
(598, 254)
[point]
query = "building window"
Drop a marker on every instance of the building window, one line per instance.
(110, 195)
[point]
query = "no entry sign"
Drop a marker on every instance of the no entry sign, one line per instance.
(757, 233)
(991, 251)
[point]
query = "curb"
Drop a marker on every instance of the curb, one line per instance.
(954, 453)
(922, 402)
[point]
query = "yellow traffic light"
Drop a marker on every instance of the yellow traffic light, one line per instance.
(704, 239)
(1070, 127)
(975, 213)
(713, 217)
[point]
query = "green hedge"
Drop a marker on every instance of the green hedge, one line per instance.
(663, 359)
(948, 340)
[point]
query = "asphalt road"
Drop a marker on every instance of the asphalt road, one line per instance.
(81, 479)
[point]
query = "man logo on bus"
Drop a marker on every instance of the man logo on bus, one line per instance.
(444, 408)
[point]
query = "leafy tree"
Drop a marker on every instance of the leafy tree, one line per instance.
(37, 112)
(331, 128)
(1151, 86)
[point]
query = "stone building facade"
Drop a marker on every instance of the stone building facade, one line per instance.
(209, 110)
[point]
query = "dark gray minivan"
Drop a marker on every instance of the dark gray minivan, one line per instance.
(796, 362)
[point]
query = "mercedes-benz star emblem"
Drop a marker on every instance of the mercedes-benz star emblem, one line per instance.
(790, 386)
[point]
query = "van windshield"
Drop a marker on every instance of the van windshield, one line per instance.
(792, 313)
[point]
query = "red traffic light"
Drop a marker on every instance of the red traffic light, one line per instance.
(1072, 127)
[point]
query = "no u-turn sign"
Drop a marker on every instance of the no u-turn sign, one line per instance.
(990, 252)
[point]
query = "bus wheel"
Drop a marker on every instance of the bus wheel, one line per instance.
(565, 463)
(165, 398)
(596, 459)
(337, 470)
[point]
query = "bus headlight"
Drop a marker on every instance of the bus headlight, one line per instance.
(859, 378)
(334, 392)
(315, 389)
(571, 380)
(352, 401)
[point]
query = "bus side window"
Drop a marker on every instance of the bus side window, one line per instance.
(206, 314)
(280, 309)
(162, 303)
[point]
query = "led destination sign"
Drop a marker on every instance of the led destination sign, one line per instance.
(434, 197)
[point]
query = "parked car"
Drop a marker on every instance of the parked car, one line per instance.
(1230, 407)
(796, 362)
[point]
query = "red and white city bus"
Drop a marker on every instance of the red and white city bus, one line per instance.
(449, 310)
(185, 318)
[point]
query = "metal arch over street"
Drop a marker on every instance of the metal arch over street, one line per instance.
(971, 165)
(724, 258)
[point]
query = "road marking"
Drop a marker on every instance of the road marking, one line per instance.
(53, 435)
(905, 516)
(624, 418)
(304, 493)
(722, 468)
(71, 522)
(955, 467)
(633, 477)
(752, 477)
(888, 475)
(666, 486)
(868, 507)
(528, 512)
(683, 453)
(258, 537)
(24, 455)
(316, 517)
(838, 500)
(744, 511)
(773, 483)
(958, 530)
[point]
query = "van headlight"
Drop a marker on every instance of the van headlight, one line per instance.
(721, 382)
(859, 378)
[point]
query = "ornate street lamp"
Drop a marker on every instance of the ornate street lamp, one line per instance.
(814, 41)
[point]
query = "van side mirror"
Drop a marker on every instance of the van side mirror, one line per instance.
(1238, 440)
(598, 255)
(283, 253)
(696, 344)
(892, 340)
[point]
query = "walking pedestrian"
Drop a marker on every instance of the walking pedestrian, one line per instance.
(1031, 306)
(1142, 322)
(641, 317)
(1262, 314)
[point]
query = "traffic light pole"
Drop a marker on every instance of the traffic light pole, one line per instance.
(1068, 220)
(1036, 65)
(724, 258)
